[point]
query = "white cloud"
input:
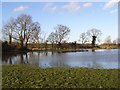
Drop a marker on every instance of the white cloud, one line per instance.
(111, 4)
(21, 8)
(113, 11)
(72, 6)
(48, 6)
(87, 4)
(54, 8)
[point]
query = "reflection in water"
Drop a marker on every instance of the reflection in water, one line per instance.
(91, 59)
(93, 50)
(52, 53)
(27, 58)
(10, 60)
(21, 59)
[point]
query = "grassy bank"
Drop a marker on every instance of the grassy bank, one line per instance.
(109, 46)
(26, 76)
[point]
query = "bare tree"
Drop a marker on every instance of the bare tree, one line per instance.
(108, 40)
(74, 45)
(114, 42)
(83, 38)
(43, 37)
(61, 33)
(94, 34)
(26, 29)
(8, 29)
(51, 38)
(23, 23)
(34, 33)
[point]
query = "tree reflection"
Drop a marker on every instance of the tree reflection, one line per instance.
(10, 60)
(46, 53)
(52, 53)
(7, 57)
(93, 50)
(27, 58)
(24, 60)
(21, 59)
(58, 59)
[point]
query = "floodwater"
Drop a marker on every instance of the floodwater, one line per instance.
(102, 58)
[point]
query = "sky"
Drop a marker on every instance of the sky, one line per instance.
(78, 16)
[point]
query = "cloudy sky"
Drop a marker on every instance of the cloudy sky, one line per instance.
(78, 16)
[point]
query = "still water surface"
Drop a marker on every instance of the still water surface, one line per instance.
(102, 58)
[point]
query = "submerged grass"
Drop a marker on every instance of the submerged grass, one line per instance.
(25, 76)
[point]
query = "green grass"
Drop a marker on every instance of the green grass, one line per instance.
(112, 46)
(25, 76)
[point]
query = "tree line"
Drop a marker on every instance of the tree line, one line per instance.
(24, 30)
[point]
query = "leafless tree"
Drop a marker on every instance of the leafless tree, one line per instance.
(83, 38)
(43, 37)
(23, 28)
(114, 41)
(34, 35)
(94, 34)
(51, 38)
(108, 40)
(26, 29)
(8, 29)
(61, 33)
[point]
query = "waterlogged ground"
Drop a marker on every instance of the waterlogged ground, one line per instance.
(25, 76)
(102, 58)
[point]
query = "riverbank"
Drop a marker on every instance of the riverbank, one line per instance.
(26, 76)
(68, 47)
(55, 50)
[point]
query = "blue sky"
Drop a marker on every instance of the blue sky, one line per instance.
(78, 16)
